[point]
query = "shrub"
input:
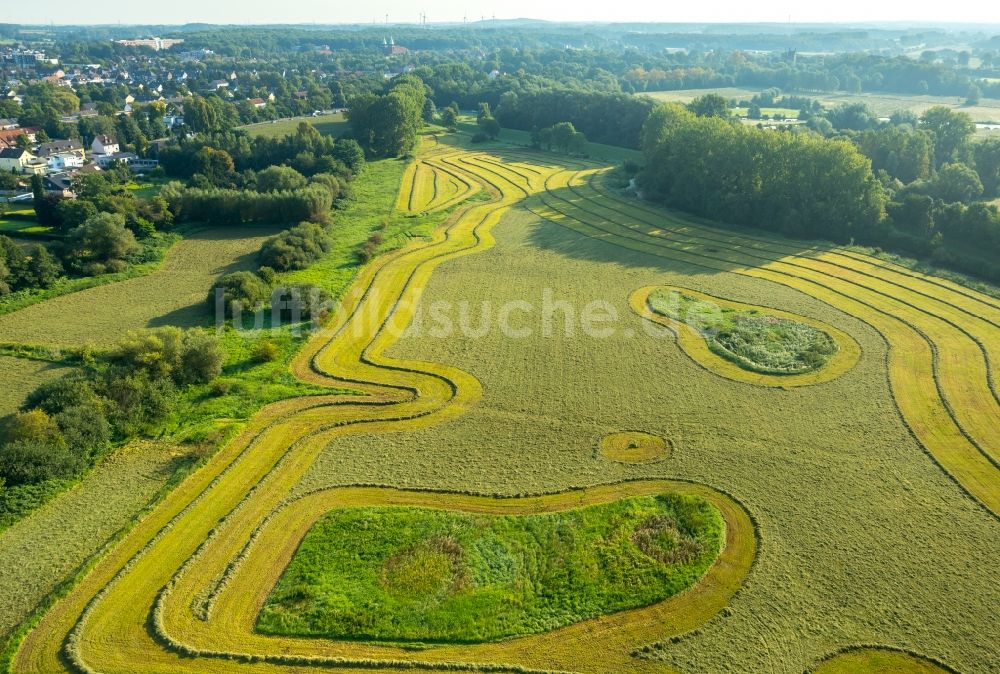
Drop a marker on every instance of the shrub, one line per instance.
(330, 182)
(102, 239)
(34, 425)
(32, 461)
(201, 358)
(240, 289)
(157, 352)
(367, 251)
(268, 275)
(138, 400)
(296, 248)
(191, 357)
(266, 352)
(57, 395)
(86, 430)
(280, 178)
(306, 301)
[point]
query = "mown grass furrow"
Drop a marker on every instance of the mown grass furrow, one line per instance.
(928, 417)
(979, 421)
(566, 648)
(846, 258)
(877, 658)
(226, 533)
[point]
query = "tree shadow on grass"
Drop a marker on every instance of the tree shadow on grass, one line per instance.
(642, 234)
(201, 312)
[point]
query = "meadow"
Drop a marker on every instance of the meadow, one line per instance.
(173, 294)
(986, 111)
(332, 124)
(20, 377)
(859, 511)
(439, 576)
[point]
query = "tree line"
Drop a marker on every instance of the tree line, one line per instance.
(913, 188)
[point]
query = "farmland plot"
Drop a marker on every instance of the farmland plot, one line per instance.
(878, 481)
(174, 294)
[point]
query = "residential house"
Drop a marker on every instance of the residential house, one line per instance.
(258, 103)
(133, 161)
(64, 161)
(71, 146)
(16, 160)
(104, 145)
(173, 120)
(59, 184)
(9, 137)
(56, 78)
(195, 55)
(8, 124)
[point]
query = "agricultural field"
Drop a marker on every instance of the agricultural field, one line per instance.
(173, 294)
(20, 377)
(332, 124)
(988, 110)
(509, 368)
(37, 552)
(439, 576)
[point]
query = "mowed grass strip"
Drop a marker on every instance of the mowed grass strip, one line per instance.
(598, 645)
(230, 484)
(21, 376)
(432, 575)
(696, 346)
(879, 660)
(971, 334)
(940, 375)
(175, 294)
(112, 633)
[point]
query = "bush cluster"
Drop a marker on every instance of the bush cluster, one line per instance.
(296, 248)
(67, 423)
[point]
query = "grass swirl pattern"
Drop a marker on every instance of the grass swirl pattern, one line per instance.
(943, 342)
(695, 346)
(137, 609)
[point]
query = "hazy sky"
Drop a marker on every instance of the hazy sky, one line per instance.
(339, 11)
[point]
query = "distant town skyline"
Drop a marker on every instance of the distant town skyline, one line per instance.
(439, 11)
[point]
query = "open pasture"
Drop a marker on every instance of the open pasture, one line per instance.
(20, 377)
(330, 124)
(884, 104)
(843, 501)
(173, 294)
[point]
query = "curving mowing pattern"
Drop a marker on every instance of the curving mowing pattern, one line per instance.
(634, 447)
(428, 187)
(178, 594)
(181, 592)
(879, 660)
(944, 340)
(694, 345)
